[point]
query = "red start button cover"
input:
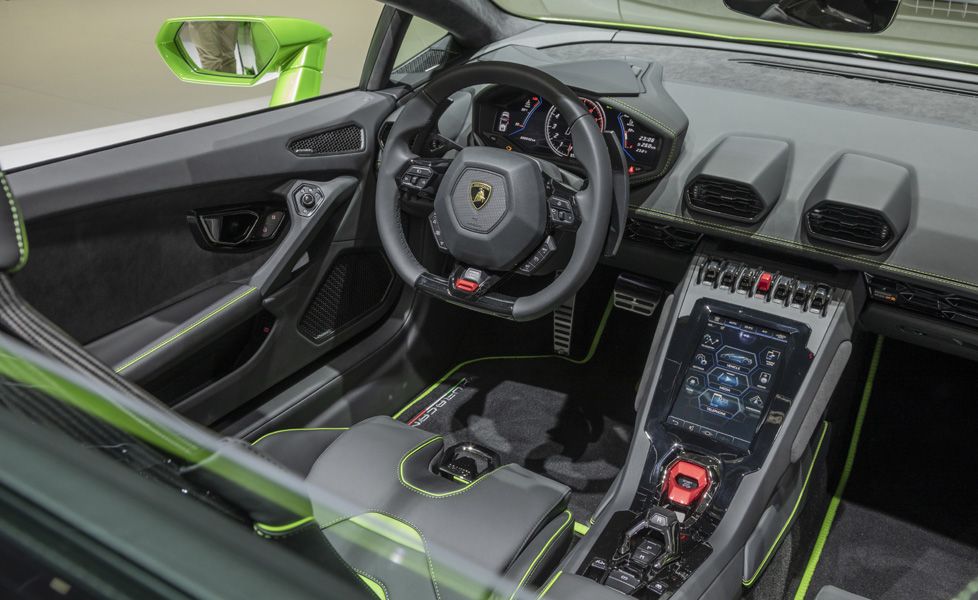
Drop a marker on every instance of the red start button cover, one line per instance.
(686, 482)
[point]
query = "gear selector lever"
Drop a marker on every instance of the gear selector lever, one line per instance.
(660, 526)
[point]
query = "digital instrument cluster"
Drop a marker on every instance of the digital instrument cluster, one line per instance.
(528, 123)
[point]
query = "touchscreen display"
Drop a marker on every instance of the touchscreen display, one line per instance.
(725, 390)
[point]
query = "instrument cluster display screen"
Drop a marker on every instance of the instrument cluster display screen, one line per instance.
(724, 392)
(531, 124)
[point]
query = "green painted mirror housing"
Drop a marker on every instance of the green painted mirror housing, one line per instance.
(246, 51)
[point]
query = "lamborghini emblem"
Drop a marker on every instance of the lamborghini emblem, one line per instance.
(479, 194)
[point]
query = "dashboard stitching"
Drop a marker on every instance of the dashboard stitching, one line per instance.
(672, 145)
(796, 245)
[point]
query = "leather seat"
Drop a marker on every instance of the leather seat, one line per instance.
(391, 526)
(388, 501)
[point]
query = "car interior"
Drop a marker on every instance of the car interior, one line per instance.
(722, 352)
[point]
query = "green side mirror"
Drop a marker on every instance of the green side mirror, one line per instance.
(246, 51)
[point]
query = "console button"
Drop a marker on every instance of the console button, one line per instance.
(596, 569)
(764, 282)
(659, 587)
(623, 581)
(686, 482)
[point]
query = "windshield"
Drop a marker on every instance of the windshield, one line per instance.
(939, 32)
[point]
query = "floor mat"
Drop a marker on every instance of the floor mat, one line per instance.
(568, 419)
(907, 523)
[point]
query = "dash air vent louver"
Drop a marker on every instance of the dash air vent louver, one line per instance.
(860, 202)
(728, 198)
(849, 225)
(740, 179)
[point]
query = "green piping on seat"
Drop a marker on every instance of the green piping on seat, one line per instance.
(277, 431)
(794, 510)
(375, 586)
(581, 529)
(577, 361)
(185, 330)
(823, 534)
(280, 529)
(543, 551)
(17, 221)
(550, 584)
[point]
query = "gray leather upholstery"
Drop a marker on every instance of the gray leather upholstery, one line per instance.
(567, 586)
(511, 522)
(13, 237)
(830, 592)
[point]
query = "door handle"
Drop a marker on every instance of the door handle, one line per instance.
(310, 204)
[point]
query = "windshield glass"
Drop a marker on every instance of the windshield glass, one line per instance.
(940, 32)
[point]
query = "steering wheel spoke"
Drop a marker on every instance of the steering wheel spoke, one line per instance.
(422, 176)
(467, 282)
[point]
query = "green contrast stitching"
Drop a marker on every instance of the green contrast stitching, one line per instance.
(299, 429)
(263, 528)
(542, 551)
(375, 585)
(736, 38)
(799, 246)
(191, 327)
(550, 584)
(587, 358)
(823, 533)
(424, 540)
(412, 487)
(794, 510)
(18, 224)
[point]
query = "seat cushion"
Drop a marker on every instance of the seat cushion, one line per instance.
(388, 502)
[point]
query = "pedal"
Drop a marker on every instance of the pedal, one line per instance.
(637, 294)
(564, 327)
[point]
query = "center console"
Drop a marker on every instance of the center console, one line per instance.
(731, 390)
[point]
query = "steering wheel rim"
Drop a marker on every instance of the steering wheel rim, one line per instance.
(593, 202)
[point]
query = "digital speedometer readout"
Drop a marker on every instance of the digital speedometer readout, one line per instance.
(533, 125)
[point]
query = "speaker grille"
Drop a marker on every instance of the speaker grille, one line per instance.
(348, 138)
(357, 283)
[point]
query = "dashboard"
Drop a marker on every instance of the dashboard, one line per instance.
(523, 121)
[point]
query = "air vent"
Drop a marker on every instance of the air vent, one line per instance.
(657, 234)
(851, 226)
(860, 202)
(740, 179)
(716, 196)
(927, 301)
(340, 140)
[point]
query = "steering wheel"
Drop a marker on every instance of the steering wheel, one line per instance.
(495, 212)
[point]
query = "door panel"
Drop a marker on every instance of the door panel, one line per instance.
(119, 261)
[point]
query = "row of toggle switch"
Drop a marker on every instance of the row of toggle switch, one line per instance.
(769, 286)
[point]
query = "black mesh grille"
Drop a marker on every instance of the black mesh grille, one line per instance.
(940, 305)
(356, 284)
(658, 234)
(425, 61)
(849, 225)
(348, 138)
(722, 197)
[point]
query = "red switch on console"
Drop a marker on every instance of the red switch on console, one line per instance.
(764, 282)
(686, 482)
